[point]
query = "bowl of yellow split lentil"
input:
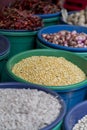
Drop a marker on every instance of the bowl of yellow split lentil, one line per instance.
(58, 70)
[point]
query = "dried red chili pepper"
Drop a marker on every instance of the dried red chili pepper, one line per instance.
(18, 16)
(37, 6)
(45, 8)
(15, 19)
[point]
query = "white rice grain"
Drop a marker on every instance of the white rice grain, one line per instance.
(25, 109)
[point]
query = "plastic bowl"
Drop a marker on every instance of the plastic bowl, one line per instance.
(20, 40)
(75, 114)
(39, 45)
(72, 94)
(57, 28)
(50, 19)
(4, 52)
(49, 15)
(56, 124)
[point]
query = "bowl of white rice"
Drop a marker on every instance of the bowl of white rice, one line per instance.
(22, 107)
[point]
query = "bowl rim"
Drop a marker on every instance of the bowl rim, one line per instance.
(19, 30)
(45, 16)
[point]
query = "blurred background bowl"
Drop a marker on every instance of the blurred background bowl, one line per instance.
(20, 40)
(4, 54)
(75, 114)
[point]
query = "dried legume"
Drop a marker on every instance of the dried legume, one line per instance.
(67, 38)
(25, 109)
(81, 124)
(51, 71)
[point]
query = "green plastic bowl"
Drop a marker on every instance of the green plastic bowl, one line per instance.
(40, 45)
(50, 19)
(20, 40)
(58, 127)
(72, 94)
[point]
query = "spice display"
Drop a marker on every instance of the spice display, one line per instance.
(67, 38)
(25, 109)
(81, 124)
(78, 18)
(15, 19)
(37, 6)
(22, 15)
(51, 71)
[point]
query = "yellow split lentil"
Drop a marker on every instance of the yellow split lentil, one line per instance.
(48, 70)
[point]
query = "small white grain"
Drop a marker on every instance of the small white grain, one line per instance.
(25, 109)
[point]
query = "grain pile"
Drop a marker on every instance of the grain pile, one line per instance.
(81, 124)
(25, 109)
(51, 71)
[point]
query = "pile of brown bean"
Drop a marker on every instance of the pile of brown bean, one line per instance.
(67, 38)
(49, 71)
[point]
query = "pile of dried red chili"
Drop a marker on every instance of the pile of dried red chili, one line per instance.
(37, 6)
(20, 14)
(12, 18)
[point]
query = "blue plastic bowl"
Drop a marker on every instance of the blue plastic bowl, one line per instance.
(44, 16)
(26, 86)
(75, 114)
(73, 96)
(57, 28)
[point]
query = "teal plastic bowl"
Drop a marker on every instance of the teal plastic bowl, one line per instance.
(72, 94)
(4, 52)
(42, 46)
(20, 40)
(50, 19)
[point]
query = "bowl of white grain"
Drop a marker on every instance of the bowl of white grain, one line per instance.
(24, 106)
